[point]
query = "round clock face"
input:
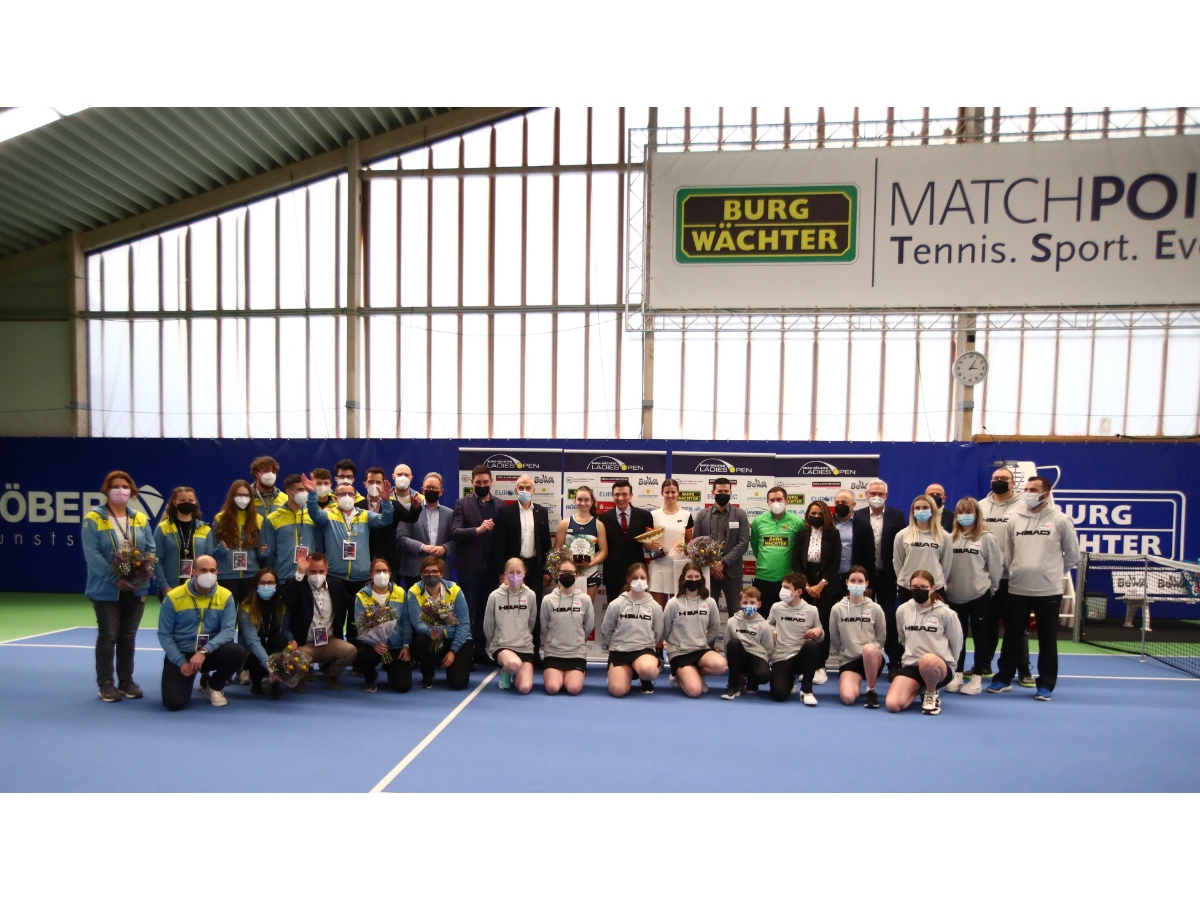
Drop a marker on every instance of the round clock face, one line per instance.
(970, 368)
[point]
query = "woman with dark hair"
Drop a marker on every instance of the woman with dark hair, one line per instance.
(816, 555)
(582, 525)
(109, 530)
(691, 626)
(381, 590)
(631, 631)
(263, 630)
(180, 538)
(932, 639)
(238, 543)
(666, 554)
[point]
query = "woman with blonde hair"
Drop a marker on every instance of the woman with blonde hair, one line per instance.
(923, 545)
(973, 578)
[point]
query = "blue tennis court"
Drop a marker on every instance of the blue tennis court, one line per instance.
(1115, 724)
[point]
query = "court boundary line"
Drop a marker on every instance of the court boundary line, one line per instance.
(1133, 678)
(429, 738)
(71, 646)
(44, 634)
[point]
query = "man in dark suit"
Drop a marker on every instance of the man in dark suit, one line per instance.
(622, 524)
(316, 606)
(429, 535)
(938, 493)
(473, 530)
(726, 523)
(523, 531)
(885, 523)
(383, 540)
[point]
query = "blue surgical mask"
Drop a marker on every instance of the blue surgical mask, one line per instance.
(966, 520)
(525, 496)
(266, 591)
(923, 515)
(748, 611)
(856, 590)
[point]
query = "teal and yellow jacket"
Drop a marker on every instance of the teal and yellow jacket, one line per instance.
(401, 635)
(186, 614)
(100, 542)
(168, 541)
(282, 532)
(254, 559)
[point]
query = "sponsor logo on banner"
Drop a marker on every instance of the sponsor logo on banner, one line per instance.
(715, 466)
(1126, 523)
(502, 461)
(803, 224)
(611, 464)
(68, 507)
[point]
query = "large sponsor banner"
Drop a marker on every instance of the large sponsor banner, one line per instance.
(598, 470)
(543, 465)
(809, 478)
(981, 225)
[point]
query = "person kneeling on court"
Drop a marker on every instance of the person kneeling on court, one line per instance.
(508, 623)
(316, 609)
(798, 636)
(196, 627)
(567, 619)
(932, 637)
(382, 591)
(749, 644)
(441, 623)
(631, 631)
(691, 626)
(857, 632)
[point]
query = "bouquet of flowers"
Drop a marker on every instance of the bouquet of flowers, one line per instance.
(289, 666)
(438, 615)
(704, 551)
(134, 566)
(553, 560)
(376, 625)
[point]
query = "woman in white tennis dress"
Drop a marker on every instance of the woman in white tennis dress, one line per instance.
(666, 554)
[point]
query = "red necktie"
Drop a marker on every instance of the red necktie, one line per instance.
(624, 523)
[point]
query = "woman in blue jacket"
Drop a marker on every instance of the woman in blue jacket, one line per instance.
(180, 539)
(109, 529)
(263, 630)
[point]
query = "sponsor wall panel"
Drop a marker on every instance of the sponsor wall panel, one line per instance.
(926, 227)
(811, 477)
(543, 465)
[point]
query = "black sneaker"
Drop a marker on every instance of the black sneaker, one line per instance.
(647, 687)
(871, 701)
(274, 690)
(427, 682)
(256, 687)
(131, 690)
(731, 693)
(109, 694)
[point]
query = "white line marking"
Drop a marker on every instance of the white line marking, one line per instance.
(1131, 678)
(68, 646)
(416, 751)
(43, 634)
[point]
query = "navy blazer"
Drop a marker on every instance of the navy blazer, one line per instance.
(623, 550)
(409, 539)
(894, 521)
(508, 535)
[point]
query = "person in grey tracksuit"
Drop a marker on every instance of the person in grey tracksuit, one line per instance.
(567, 618)
(508, 623)
(749, 644)
(631, 631)
(797, 651)
(932, 639)
(996, 509)
(857, 635)
(691, 627)
(972, 581)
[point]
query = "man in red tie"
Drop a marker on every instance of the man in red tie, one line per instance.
(621, 524)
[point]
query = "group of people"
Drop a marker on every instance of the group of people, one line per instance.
(294, 566)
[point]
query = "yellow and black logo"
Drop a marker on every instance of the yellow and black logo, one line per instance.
(812, 223)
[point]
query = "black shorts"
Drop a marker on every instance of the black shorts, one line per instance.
(855, 665)
(626, 657)
(565, 664)
(595, 579)
(525, 657)
(914, 672)
(683, 660)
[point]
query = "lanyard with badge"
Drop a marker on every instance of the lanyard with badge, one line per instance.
(123, 532)
(241, 559)
(185, 543)
(301, 552)
(320, 632)
(349, 545)
(202, 636)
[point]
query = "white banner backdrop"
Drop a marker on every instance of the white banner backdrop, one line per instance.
(809, 478)
(544, 466)
(1045, 223)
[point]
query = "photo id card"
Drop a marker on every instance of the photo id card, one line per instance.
(185, 569)
(320, 635)
(301, 553)
(349, 550)
(202, 640)
(241, 560)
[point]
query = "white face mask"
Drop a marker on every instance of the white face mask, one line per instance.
(267, 478)
(876, 502)
(372, 490)
(1031, 499)
(638, 585)
(241, 502)
(300, 498)
(323, 490)
(402, 482)
(206, 580)
(382, 579)
(345, 481)
(776, 507)
(316, 580)
(785, 595)
(345, 503)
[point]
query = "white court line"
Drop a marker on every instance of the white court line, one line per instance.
(68, 646)
(416, 751)
(1131, 678)
(43, 634)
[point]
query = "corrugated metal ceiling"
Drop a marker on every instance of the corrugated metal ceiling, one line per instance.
(108, 163)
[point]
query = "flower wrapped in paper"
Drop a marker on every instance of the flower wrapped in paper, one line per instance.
(134, 566)
(438, 615)
(704, 551)
(376, 625)
(290, 666)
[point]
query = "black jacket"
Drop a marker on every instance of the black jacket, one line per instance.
(894, 522)
(831, 553)
(508, 535)
(623, 550)
(298, 600)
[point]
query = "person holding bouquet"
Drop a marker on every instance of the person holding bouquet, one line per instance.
(118, 547)
(568, 617)
(383, 638)
(730, 526)
(580, 528)
(508, 622)
(263, 630)
(441, 623)
(666, 553)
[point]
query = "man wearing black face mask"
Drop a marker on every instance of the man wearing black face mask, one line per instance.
(858, 542)
(938, 493)
(428, 536)
(473, 530)
(729, 524)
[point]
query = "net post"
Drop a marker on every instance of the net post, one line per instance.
(1145, 604)
(1080, 598)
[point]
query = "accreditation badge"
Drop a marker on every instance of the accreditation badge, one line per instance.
(349, 550)
(202, 640)
(185, 569)
(301, 553)
(241, 560)
(320, 635)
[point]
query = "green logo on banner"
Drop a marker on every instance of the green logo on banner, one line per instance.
(811, 223)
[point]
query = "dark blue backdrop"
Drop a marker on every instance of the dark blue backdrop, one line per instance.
(45, 480)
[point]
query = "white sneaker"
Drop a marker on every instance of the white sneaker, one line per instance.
(932, 704)
(820, 676)
(955, 684)
(972, 686)
(673, 681)
(216, 698)
(796, 688)
(809, 699)
(243, 677)
(703, 685)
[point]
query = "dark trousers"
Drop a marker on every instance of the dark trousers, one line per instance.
(884, 587)
(804, 664)
(276, 643)
(728, 588)
(1016, 615)
(475, 587)
(741, 662)
(986, 649)
(117, 624)
(239, 587)
(348, 627)
(770, 595)
(220, 665)
(399, 673)
(974, 614)
(459, 672)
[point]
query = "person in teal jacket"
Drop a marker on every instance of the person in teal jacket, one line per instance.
(238, 541)
(119, 603)
(181, 537)
(263, 629)
(197, 626)
(287, 528)
(441, 624)
(399, 670)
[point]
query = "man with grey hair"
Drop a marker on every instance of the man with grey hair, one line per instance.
(885, 523)
(429, 535)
